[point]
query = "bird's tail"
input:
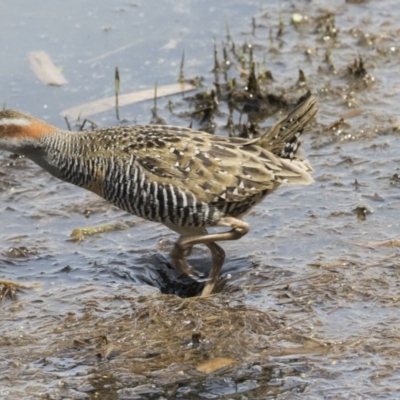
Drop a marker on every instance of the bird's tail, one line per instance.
(283, 138)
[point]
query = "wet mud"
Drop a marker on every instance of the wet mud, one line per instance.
(307, 304)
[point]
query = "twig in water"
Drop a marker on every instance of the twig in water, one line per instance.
(116, 83)
(181, 75)
(68, 125)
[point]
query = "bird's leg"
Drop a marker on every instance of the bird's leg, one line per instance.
(179, 254)
(218, 257)
(239, 228)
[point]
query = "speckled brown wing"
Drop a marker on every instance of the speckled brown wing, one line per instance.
(216, 168)
(212, 168)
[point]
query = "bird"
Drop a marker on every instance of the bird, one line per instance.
(186, 179)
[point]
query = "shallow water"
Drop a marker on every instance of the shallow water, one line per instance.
(309, 304)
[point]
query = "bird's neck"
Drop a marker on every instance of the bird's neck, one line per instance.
(42, 150)
(39, 153)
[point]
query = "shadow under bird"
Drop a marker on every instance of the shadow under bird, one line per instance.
(185, 179)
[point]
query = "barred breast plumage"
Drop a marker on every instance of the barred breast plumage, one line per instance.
(185, 179)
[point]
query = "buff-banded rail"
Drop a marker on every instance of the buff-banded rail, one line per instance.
(185, 179)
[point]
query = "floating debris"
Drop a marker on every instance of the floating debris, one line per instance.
(215, 364)
(44, 68)
(108, 103)
(78, 234)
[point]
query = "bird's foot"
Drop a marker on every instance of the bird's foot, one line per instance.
(178, 255)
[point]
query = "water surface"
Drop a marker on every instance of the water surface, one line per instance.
(309, 306)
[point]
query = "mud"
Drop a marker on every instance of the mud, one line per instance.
(307, 306)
